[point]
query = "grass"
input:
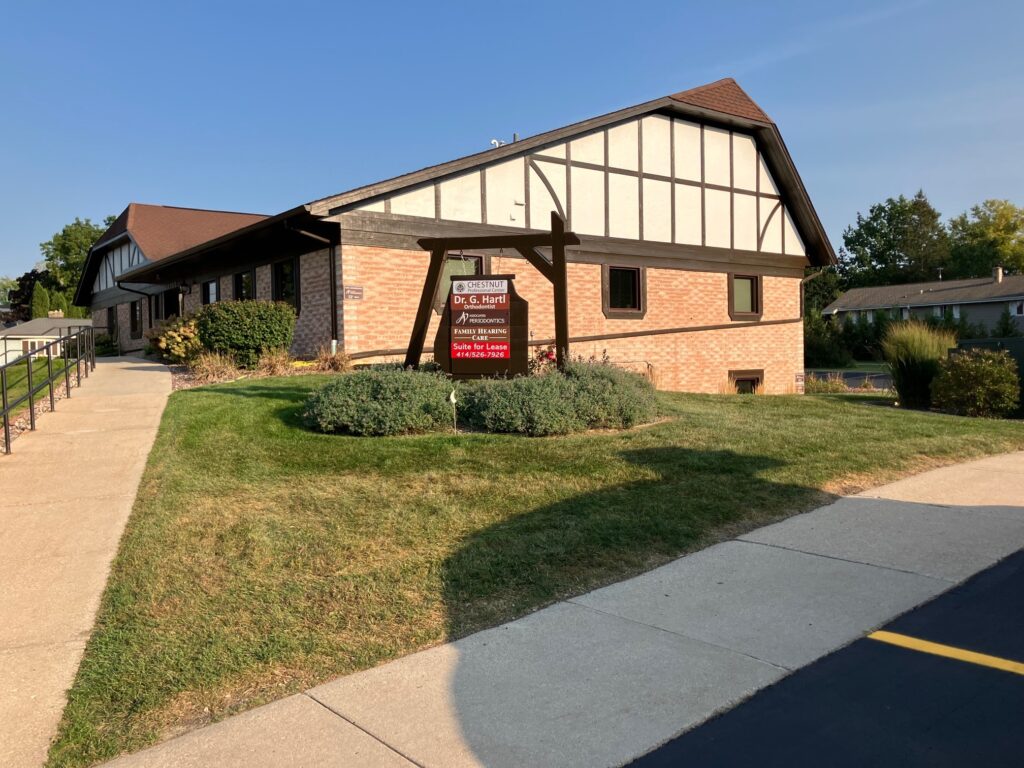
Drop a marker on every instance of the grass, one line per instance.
(262, 558)
(17, 381)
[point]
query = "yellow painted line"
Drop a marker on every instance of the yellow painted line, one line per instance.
(948, 651)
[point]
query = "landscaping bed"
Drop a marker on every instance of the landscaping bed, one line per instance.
(263, 557)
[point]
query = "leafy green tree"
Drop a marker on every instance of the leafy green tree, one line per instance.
(7, 284)
(40, 301)
(65, 252)
(989, 235)
(59, 301)
(822, 290)
(900, 241)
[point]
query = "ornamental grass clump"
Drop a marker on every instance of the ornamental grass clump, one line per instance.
(246, 330)
(977, 382)
(381, 402)
(913, 352)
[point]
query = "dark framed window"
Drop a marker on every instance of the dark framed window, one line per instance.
(112, 321)
(135, 312)
(211, 292)
(623, 292)
(245, 285)
(455, 265)
(746, 382)
(285, 282)
(170, 303)
(745, 297)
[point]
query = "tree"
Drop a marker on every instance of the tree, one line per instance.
(1006, 328)
(989, 235)
(822, 290)
(59, 301)
(7, 284)
(65, 252)
(40, 301)
(899, 241)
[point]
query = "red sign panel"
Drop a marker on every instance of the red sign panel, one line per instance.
(480, 320)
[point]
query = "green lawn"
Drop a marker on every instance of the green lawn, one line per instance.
(17, 380)
(262, 558)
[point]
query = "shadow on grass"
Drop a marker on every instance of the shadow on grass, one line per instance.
(571, 545)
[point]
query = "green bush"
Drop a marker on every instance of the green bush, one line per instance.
(529, 405)
(381, 402)
(978, 382)
(177, 340)
(823, 343)
(104, 345)
(586, 396)
(246, 329)
(913, 351)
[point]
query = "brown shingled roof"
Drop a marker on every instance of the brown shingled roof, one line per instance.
(976, 289)
(723, 96)
(160, 230)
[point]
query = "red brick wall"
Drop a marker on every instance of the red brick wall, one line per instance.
(700, 362)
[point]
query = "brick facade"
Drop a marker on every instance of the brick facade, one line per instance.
(124, 326)
(391, 281)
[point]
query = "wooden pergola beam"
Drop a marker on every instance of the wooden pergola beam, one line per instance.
(526, 245)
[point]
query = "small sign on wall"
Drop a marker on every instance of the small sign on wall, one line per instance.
(800, 383)
(354, 292)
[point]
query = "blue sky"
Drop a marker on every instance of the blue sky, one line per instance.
(260, 106)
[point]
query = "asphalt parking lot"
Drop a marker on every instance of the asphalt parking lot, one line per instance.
(943, 685)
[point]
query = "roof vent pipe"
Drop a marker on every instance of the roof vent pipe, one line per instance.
(997, 274)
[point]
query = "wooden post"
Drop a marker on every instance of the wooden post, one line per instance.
(560, 280)
(419, 327)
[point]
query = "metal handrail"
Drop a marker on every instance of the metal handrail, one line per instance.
(85, 352)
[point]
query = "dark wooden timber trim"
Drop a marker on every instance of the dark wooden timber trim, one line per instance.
(623, 314)
(603, 336)
(758, 297)
(419, 327)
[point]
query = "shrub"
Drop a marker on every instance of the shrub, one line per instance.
(329, 362)
(830, 384)
(913, 351)
(381, 402)
(1006, 328)
(246, 329)
(978, 382)
(586, 396)
(611, 397)
(276, 362)
(105, 345)
(529, 405)
(823, 344)
(177, 340)
(212, 367)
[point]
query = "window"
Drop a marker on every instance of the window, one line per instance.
(210, 292)
(905, 313)
(871, 315)
(135, 311)
(285, 279)
(111, 321)
(455, 265)
(245, 286)
(170, 304)
(1017, 308)
(623, 292)
(746, 382)
(745, 297)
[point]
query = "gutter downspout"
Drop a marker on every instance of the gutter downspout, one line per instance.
(332, 247)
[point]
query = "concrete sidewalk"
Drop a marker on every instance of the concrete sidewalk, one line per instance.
(606, 677)
(67, 491)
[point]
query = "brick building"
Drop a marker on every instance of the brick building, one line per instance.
(695, 231)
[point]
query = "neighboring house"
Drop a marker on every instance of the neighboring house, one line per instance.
(35, 335)
(695, 228)
(979, 300)
(141, 236)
